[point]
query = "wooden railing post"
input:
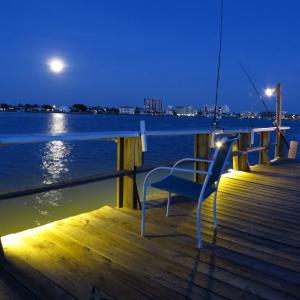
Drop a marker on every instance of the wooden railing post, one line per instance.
(293, 149)
(240, 162)
(280, 145)
(264, 141)
(278, 149)
(129, 157)
(201, 150)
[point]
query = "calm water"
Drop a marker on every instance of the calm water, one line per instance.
(29, 165)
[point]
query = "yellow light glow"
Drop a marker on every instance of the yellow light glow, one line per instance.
(56, 65)
(269, 92)
(13, 240)
(231, 171)
(219, 144)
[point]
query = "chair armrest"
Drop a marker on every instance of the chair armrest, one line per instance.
(190, 171)
(172, 169)
(192, 160)
(156, 169)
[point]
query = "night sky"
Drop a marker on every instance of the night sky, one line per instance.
(118, 52)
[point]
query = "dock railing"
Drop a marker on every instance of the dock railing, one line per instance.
(130, 156)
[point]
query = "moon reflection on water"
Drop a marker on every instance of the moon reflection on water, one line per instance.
(54, 164)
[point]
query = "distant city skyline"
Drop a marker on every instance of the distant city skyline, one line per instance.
(116, 53)
(151, 107)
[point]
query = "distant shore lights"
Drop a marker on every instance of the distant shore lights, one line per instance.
(56, 65)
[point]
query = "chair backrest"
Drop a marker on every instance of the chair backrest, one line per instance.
(220, 158)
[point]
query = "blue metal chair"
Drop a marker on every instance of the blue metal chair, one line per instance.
(190, 189)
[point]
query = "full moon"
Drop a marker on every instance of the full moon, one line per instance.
(56, 65)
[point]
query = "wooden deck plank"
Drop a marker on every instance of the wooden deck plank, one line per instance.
(170, 249)
(286, 184)
(76, 256)
(54, 269)
(11, 289)
(275, 271)
(129, 257)
(105, 247)
(185, 235)
(256, 225)
(256, 211)
(255, 254)
(235, 240)
(204, 268)
(277, 195)
(35, 281)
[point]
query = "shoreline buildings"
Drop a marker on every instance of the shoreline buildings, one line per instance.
(186, 110)
(153, 106)
(127, 110)
(209, 111)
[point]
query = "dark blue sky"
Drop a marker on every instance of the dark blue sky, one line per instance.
(119, 52)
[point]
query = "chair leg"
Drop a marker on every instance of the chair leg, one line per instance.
(215, 210)
(199, 241)
(144, 211)
(168, 204)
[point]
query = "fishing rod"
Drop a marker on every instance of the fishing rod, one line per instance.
(263, 102)
(214, 122)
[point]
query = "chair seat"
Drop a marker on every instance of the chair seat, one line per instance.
(182, 187)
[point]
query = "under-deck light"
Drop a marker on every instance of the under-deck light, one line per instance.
(231, 171)
(14, 239)
(219, 144)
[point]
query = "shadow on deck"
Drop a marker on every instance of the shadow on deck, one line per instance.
(255, 254)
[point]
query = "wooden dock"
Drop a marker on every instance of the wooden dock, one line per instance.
(99, 255)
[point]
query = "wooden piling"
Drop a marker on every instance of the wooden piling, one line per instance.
(240, 162)
(201, 150)
(129, 158)
(280, 145)
(279, 149)
(264, 141)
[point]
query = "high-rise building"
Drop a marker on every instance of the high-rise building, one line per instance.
(153, 106)
(169, 110)
(206, 110)
(209, 111)
(225, 109)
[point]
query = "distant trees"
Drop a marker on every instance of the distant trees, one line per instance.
(47, 107)
(79, 108)
(268, 114)
(112, 110)
(4, 106)
(7, 107)
(31, 107)
(76, 108)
